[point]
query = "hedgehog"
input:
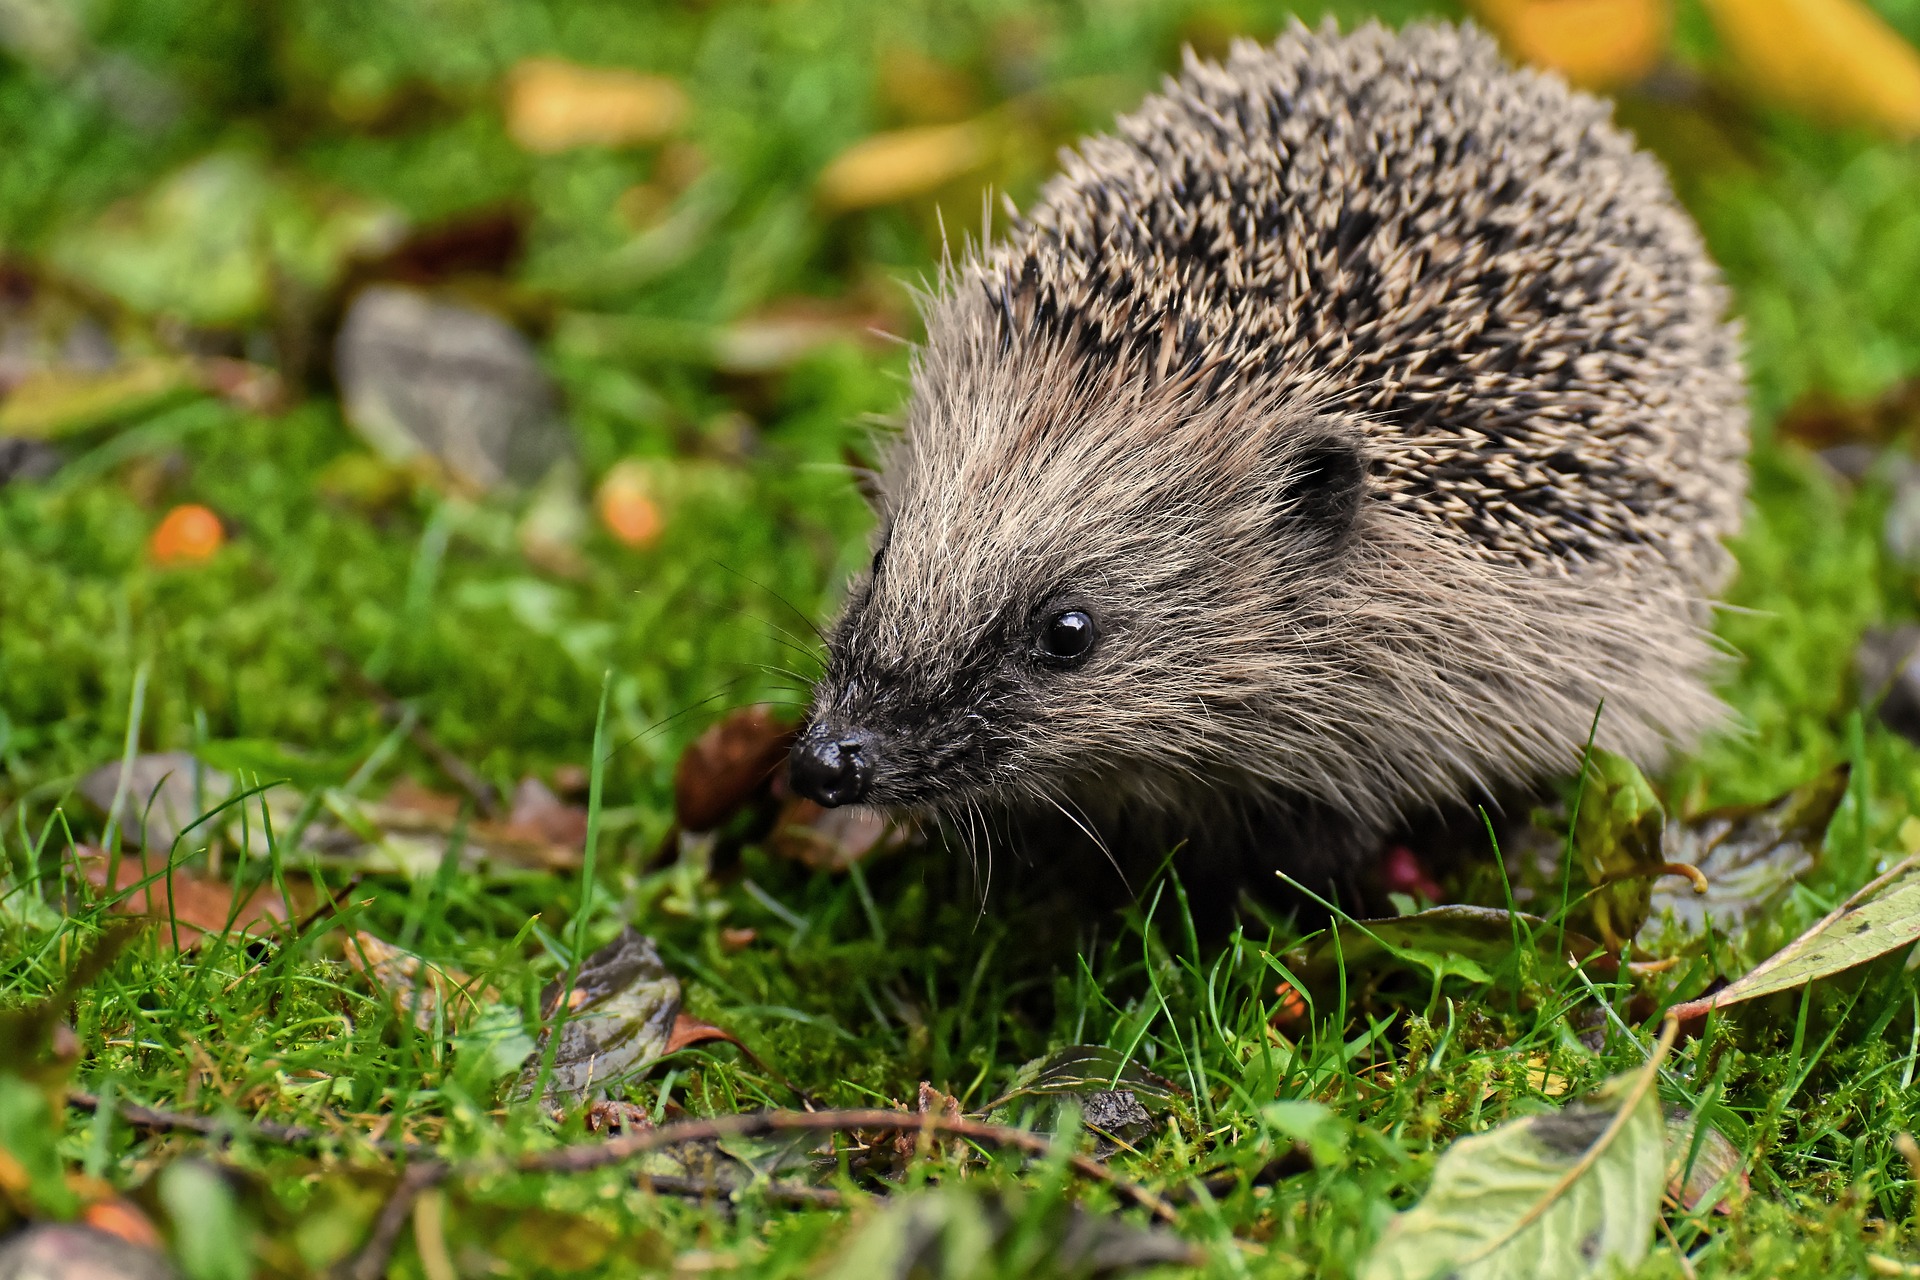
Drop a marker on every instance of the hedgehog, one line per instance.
(1352, 433)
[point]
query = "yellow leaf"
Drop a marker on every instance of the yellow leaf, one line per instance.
(58, 402)
(553, 105)
(1593, 43)
(902, 164)
(1833, 59)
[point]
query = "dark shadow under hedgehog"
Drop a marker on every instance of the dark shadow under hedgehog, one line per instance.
(1326, 445)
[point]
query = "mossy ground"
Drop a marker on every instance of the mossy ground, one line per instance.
(857, 987)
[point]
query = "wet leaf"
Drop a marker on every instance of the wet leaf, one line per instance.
(187, 534)
(1750, 855)
(553, 105)
(1696, 1166)
(196, 903)
(165, 793)
(1618, 838)
(621, 1015)
(890, 167)
(728, 766)
(72, 1251)
(829, 840)
(1883, 916)
(423, 378)
(1836, 60)
(1568, 1194)
(1594, 43)
(951, 1233)
(1087, 1068)
(417, 986)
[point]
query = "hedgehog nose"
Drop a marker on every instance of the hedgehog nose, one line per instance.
(832, 766)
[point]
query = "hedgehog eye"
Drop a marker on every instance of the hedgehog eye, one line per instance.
(1065, 639)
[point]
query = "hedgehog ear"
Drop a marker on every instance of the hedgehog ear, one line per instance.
(1322, 478)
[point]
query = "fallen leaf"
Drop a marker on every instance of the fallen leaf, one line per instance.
(621, 1018)
(1083, 1068)
(1596, 44)
(889, 167)
(425, 378)
(166, 792)
(1618, 838)
(627, 506)
(196, 902)
(1883, 916)
(1822, 422)
(949, 1233)
(1696, 1168)
(689, 1030)
(728, 766)
(1837, 60)
(829, 840)
(537, 813)
(187, 534)
(1750, 855)
(72, 1251)
(1568, 1194)
(553, 105)
(414, 984)
(118, 1216)
(410, 830)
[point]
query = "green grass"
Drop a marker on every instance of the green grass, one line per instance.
(856, 988)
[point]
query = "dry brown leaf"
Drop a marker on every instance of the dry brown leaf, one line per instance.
(728, 766)
(198, 903)
(554, 105)
(1836, 60)
(688, 1030)
(1594, 43)
(828, 839)
(904, 163)
(415, 984)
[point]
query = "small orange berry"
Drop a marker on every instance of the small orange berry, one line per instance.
(188, 533)
(626, 507)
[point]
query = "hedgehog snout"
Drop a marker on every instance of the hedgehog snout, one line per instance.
(832, 765)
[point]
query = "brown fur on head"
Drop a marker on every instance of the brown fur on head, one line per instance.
(1374, 404)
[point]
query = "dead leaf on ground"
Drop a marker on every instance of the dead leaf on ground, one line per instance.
(1117, 1098)
(1695, 1167)
(729, 766)
(1882, 917)
(197, 902)
(416, 984)
(1597, 44)
(1822, 422)
(950, 1232)
(889, 167)
(554, 105)
(425, 377)
(72, 1251)
(410, 830)
(830, 840)
(623, 1016)
(1836, 60)
(1570, 1194)
(1751, 855)
(781, 335)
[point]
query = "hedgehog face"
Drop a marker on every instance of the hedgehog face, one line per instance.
(1059, 587)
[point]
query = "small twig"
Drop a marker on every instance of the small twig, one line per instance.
(371, 1262)
(154, 1120)
(584, 1157)
(1655, 871)
(485, 799)
(789, 1193)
